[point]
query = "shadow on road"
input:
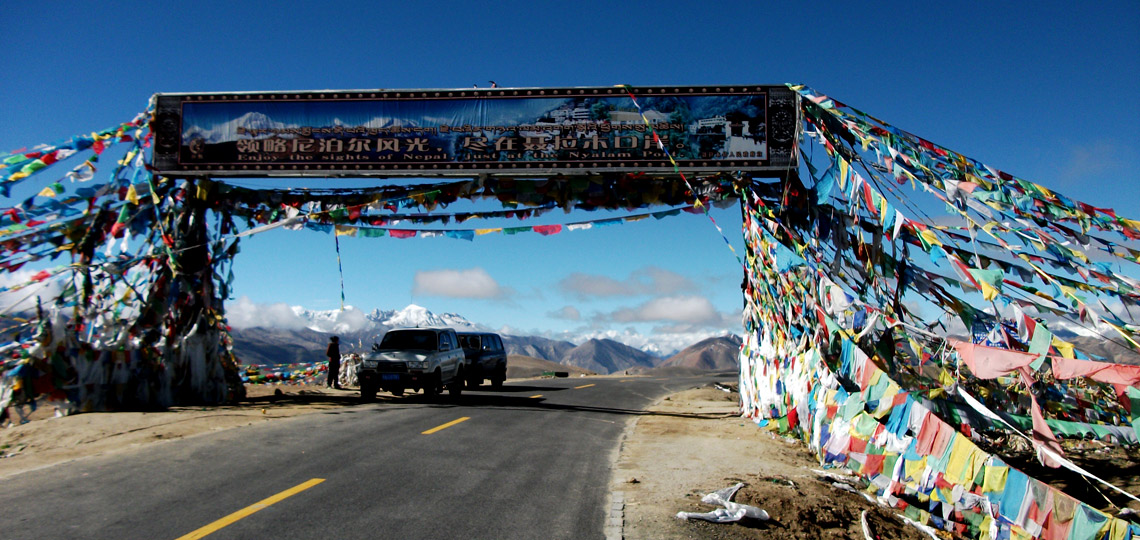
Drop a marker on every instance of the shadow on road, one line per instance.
(511, 396)
(351, 396)
(480, 401)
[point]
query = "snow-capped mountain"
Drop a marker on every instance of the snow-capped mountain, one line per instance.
(228, 131)
(279, 333)
(266, 127)
(414, 315)
(333, 321)
(352, 321)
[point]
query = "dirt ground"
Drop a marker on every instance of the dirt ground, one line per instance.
(47, 440)
(689, 444)
(694, 443)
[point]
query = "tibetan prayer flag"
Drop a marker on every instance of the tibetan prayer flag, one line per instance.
(121, 223)
(824, 185)
(991, 362)
(547, 230)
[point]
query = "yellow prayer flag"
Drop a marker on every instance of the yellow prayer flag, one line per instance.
(945, 378)
(132, 195)
(988, 291)
(994, 478)
(47, 192)
(127, 158)
(481, 232)
(345, 230)
(930, 238)
(1065, 347)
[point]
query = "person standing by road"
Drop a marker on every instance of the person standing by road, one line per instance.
(333, 353)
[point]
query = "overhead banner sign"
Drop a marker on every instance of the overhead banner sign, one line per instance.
(460, 132)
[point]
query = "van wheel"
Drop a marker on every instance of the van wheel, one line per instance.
(368, 392)
(455, 389)
(431, 386)
(498, 378)
(398, 391)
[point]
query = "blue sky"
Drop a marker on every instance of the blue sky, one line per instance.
(1043, 90)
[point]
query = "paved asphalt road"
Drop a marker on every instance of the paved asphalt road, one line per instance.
(531, 461)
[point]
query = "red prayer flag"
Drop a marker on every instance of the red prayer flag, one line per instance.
(547, 230)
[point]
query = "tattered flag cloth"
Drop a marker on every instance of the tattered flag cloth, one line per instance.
(825, 315)
(852, 291)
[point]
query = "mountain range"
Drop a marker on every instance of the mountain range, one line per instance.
(260, 345)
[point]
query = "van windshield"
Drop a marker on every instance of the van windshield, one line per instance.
(469, 342)
(423, 340)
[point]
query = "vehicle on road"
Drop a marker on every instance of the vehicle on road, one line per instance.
(486, 358)
(416, 358)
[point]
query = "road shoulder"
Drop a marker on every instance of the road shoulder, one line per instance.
(694, 442)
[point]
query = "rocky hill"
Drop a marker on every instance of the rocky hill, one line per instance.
(537, 347)
(713, 354)
(359, 330)
(521, 367)
(608, 356)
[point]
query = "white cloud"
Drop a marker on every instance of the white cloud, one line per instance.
(346, 320)
(663, 281)
(584, 285)
(24, 299)
(244, 313)
(569, 313)
(649, 280)
(676, 309)
(470, 283)
(1088, 161)
(660, 344)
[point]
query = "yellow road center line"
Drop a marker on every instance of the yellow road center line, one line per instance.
(584, 386)
(536, 396)
(244, 512)
(445, 426)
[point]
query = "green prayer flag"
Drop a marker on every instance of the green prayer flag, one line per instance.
(1134, 397)
(1039, 343)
